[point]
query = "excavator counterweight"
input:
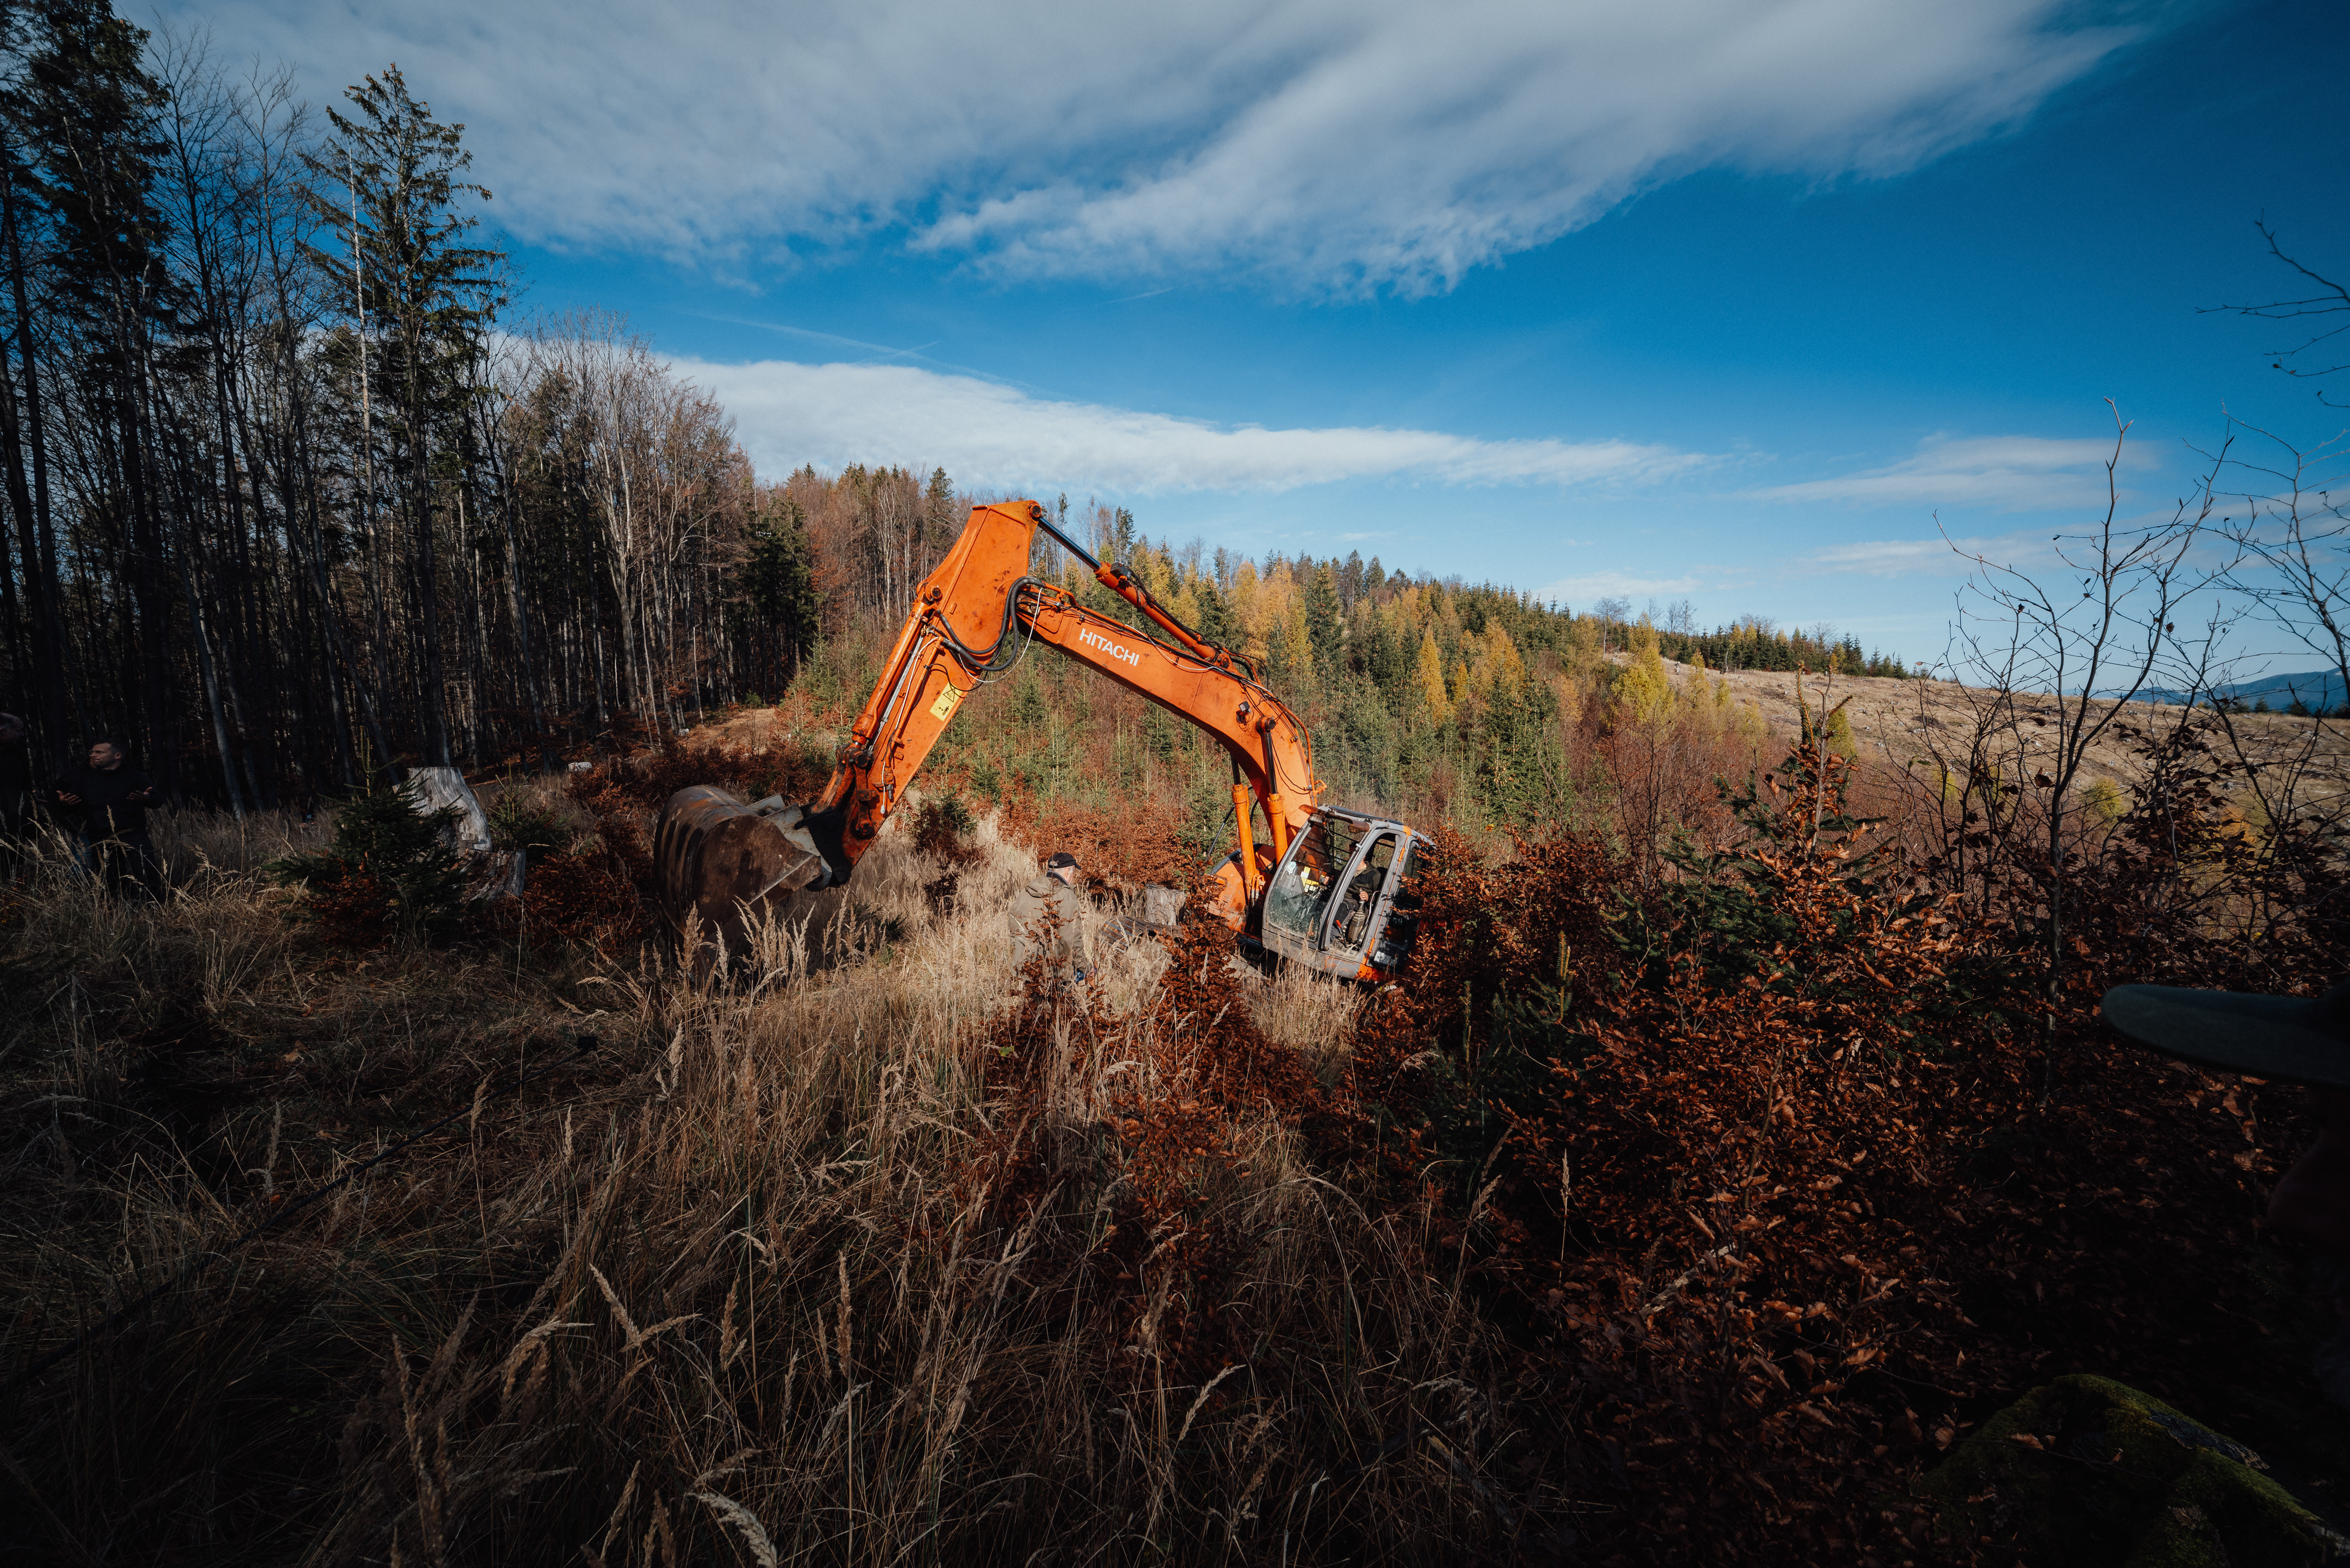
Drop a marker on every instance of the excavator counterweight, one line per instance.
(1328, 888)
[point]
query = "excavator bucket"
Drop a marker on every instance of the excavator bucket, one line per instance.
(718, 856)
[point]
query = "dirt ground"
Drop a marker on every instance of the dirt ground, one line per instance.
(1901, 721)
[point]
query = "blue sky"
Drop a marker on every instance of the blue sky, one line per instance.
(1669, 298)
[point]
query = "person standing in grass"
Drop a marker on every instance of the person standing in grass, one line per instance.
(1051, 896)
(114, 799)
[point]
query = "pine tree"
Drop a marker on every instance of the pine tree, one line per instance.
(420, 300)
(777, 599)
(1217, 623)
(1325, 629)
(391, 870)
(87, 109)
(939, 508)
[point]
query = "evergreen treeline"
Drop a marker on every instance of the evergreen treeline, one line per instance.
(285, 489)
(1754, 643)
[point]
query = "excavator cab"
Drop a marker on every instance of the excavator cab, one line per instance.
(1342, 900)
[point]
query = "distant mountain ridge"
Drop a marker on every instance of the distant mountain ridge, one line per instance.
(2320, 689)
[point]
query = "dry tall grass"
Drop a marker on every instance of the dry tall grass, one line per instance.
(741, 1287)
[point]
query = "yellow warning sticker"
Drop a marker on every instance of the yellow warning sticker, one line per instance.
(944, 708)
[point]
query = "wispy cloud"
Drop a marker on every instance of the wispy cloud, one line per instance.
(990, 435)
(2004, 474)
(1327, 144)
(1933, 556)
(1589, 587)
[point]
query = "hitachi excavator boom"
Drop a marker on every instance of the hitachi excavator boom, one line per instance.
(1330, 889)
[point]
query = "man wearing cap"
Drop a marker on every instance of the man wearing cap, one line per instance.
(1053, 893)
(2295, 1039)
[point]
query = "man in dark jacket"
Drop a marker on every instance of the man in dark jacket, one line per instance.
(113, 800)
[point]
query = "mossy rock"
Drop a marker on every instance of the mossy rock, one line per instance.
(2090, 1473)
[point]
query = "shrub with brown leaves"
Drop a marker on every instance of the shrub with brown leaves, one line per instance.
(1199, 1081)
(1116, 843)
(1777, 1172)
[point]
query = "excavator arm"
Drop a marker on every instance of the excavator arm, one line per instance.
(978, 613)
(973, 619)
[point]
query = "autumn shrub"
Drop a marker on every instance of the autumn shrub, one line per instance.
(582, 898)
(1208, 1091)
(1774, 1169)
(2180, 888)
(941, 823)
(1127, 842)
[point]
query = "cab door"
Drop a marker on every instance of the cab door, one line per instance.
(1371, 923)
(1396, 920)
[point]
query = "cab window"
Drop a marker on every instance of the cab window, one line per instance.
(1352, 922)
(1306, 884)
(1414, 861)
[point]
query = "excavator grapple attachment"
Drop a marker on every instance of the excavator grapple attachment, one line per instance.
(718, 856)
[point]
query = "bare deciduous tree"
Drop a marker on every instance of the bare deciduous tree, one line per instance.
(2049, 661)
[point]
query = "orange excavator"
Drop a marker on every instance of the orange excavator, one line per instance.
(1332, 889)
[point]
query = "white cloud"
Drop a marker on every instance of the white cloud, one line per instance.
(990, 435)
(2026, 550)
(1327, 144)
(1591, 587)
(2005, 474)
(1931, 558)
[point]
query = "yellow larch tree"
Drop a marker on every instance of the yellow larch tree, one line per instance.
(1432, 678)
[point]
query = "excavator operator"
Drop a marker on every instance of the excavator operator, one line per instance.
(1355, 917)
